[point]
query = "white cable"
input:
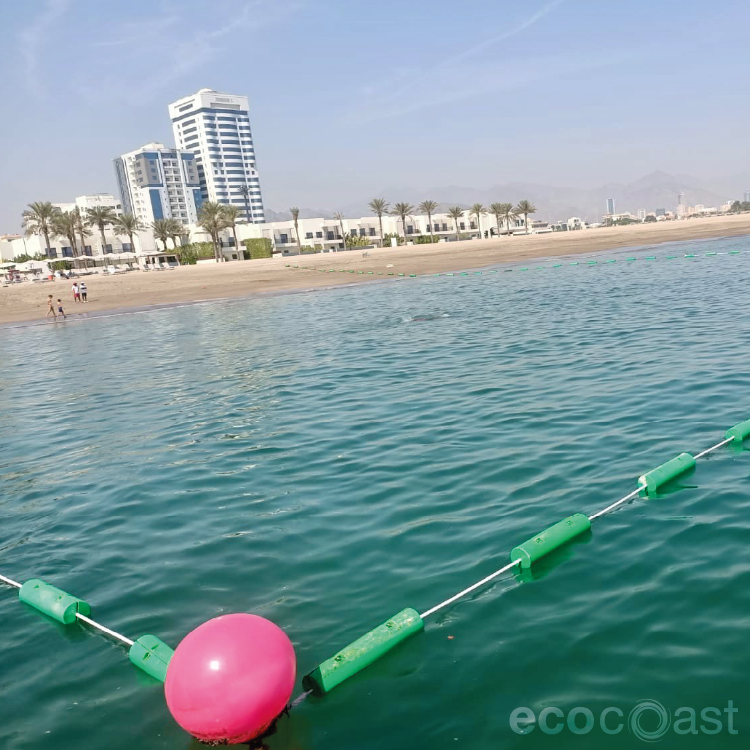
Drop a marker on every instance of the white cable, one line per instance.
(88, 620)
(96, 625)
(641, 487)
(714, 447)
(469, 590)
(619, 502)
(10, 581)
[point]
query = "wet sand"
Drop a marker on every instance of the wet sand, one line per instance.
(139, 289)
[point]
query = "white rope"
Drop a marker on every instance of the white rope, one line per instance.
(96, 625)
(641, 487)
(593, 517)
(10, 581)
(619, 502)
(469, 590)
(714, 447)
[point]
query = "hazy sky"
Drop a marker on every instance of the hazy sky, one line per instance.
(350, 97)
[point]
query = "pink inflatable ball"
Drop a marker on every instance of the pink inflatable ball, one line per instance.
(230, 678)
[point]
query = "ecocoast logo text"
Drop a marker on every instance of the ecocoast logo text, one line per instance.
(648, 720)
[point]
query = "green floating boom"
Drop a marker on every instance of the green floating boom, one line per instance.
(550, 539)
(739, 432)
(151, 655)
(52, 601)
(363, 652)
(655, 478)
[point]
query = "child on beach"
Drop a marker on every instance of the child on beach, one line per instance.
(51, 307)
(83, 291)
(60, 310)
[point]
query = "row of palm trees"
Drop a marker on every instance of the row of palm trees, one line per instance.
(46, 220)
(503, 212)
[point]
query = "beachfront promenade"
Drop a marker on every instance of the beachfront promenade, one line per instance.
(27, 301)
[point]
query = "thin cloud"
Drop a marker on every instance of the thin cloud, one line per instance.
(32, 38)
(477, 48)
(449, 68)
(135, 33)
(178, 54)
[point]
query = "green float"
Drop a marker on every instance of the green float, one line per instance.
(655, 478)
(152, 655)
(550, 539)
(52, 601)
(739, 432)
(363, 652)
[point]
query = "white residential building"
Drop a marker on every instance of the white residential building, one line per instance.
(157, 182)
(92, 251)
(82, 202)
(215, 127)
(326, 234)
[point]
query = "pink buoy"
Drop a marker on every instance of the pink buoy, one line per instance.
(230, 678)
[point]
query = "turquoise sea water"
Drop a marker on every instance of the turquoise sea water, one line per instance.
(325, 460)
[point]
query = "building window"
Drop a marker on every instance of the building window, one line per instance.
(284, 239)
(462, 226)
(372, 231)
(319, 235)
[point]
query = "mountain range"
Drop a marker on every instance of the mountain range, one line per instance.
(655, 190)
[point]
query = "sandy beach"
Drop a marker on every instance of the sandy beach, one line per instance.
(27, 301)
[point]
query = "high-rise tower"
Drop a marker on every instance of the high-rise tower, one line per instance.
(215, 127)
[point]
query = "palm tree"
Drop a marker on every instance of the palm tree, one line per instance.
(502, 212)
(37, 219)
(162, 231)
(176, 231)
(456, 213)
(244, 191)
(65, 224)
(379, 206)
(403, 211)
(100, 217)
(231, 214)
(496, 209)
(510, 215)
(340, 218)
(127, 224)
(478, 210)
(83, 226)
(212, 218)
(427, 207)
(294, 211)
(525, 208)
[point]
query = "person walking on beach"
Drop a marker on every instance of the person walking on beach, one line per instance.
(60, 310)
(76, 292)
(51, 307)
(83, 291)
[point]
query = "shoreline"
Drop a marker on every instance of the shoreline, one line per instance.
(140, 291)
